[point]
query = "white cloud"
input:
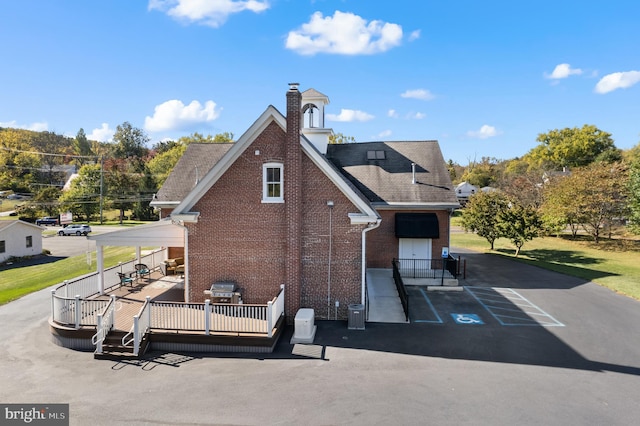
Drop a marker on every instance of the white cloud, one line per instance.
(36, 127)
(103, 134)
(563, 71)
(421, 94)
(617, 80)
(414, 35)
(348, 115)
(384, 134)
(206, 12)
(392, 113)
(417, 116)
(344, 34)
(174, 115)
(485, 132)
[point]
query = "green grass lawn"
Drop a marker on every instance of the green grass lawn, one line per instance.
(614, 264)
(19, 281)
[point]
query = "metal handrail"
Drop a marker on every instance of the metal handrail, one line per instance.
(402, 291)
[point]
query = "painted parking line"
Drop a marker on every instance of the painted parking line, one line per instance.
(510, 308)
(438, 320)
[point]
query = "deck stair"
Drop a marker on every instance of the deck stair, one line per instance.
(113, 349)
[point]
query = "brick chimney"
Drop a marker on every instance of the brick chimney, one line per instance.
(293, 201)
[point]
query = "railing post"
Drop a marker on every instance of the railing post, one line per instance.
(148, 312)
(53, 305)
(78, 310)
(99, 333)
(269, 319)
(207, 316)
(66, 288)
(113, 310)
(136, 338)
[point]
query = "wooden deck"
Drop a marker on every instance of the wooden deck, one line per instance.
(129, 299)
(161, 288)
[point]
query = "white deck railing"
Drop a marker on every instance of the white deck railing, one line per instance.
(70, 304)
(105, 322)
(210, 317)
(140, 327)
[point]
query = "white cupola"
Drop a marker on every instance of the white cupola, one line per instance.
(313, 103)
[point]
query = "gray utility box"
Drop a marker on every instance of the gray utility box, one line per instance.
(356, 317)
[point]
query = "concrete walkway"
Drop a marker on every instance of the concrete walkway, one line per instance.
(384, 302)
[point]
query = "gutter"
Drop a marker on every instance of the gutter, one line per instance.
(370, 227)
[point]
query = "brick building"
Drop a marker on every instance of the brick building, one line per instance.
(282, 206)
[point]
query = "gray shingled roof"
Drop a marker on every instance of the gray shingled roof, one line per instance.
(194, 164)
(388, 180)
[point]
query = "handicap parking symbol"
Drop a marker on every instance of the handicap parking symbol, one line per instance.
(467, 319)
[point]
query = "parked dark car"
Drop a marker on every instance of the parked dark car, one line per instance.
(47, 221)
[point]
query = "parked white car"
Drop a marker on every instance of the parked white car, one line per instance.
(75, 229)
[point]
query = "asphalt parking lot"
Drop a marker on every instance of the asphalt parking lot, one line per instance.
(577, 363)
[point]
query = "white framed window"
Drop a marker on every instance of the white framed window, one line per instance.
(272, 186)
(29, 241)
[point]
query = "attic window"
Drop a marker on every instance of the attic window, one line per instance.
(272, 187)
(375, 155)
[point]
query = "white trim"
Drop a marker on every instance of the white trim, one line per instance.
(265, 183)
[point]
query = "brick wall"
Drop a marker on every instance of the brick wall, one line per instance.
(237, 237)
(320, 223)
(382, 244)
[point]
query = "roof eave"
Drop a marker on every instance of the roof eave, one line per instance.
(415, 206)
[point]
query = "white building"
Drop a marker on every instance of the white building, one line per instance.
(19, 239)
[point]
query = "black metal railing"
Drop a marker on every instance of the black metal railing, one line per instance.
(428, 268)
(402, 291)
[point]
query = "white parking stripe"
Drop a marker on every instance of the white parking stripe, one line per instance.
(500, 303)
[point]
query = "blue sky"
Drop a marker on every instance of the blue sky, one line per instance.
(483, 78)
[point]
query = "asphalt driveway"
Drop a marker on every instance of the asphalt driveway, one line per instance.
(585, 370)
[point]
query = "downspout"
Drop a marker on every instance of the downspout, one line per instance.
(370, 227)
(186, 260)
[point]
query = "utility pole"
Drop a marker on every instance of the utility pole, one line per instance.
(101, 186)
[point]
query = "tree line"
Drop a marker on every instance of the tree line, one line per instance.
(123, 174)
(575, 179)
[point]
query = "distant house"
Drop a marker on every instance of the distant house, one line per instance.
(283, 206)
(464, 190)
(19, 239)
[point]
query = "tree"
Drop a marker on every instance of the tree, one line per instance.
(83, 197)
(526, 187)
(81, 148)
(559, 205)
(121, 181)
(19, 164)
(634, 196)
(519, 224)
(339, 138)
(130, 143)
(225, 137)
(161, 165)
(485, 173)
(146, 188)
(594, 196)
(482, 214)
(46, 200)
(576, 147)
